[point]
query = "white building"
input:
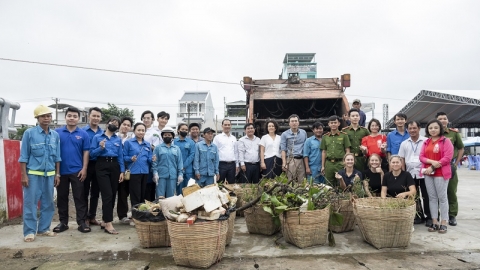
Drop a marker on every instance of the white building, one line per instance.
(196, 107)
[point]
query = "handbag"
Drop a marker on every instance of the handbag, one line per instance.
(127, 171)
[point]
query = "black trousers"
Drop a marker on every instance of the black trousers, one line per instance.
(122, 202)
(108, 173)
(274, 167)
(420, 186)
(150, 188)
(138, 186)
(227, 171)
(91, 188)
(63, 190)
(251, 175)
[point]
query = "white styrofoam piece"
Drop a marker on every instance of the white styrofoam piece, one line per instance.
(210, 198)
(192, 201)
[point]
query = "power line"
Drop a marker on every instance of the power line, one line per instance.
(117, 71)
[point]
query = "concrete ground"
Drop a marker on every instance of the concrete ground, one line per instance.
(458, 249)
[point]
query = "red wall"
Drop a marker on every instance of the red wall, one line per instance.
(14, 178)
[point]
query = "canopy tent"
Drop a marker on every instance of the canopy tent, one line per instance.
(462, 112)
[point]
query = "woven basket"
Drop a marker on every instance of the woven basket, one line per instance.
(384, 227)
(231, 228)
(306, 229)
(199, 245)
(152, 234)
(259, 221)
(344, 207)
(240, 198)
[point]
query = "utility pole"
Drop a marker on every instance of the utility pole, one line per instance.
(188, 113)
(56, 110)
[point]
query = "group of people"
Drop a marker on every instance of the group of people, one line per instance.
(144, 162)
(122, 160)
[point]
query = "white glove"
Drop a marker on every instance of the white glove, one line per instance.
(155, 178)
(180, 179)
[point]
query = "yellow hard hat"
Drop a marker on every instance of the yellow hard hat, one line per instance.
(41, 110)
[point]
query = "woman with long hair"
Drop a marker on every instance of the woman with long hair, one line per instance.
(137, 154)
(270, 155)
(436, 155)
(348, 175)
(374, 174)
(397, 183)
(107, 149)
(375, 143)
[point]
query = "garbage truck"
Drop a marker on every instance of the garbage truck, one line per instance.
(296, 91)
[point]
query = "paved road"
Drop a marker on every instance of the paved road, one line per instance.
(458, 249)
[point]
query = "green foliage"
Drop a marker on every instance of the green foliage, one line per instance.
(113, 110)
(19, 134)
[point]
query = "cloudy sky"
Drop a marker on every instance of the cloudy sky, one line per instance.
(393, 49)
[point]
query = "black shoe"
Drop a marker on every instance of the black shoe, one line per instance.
(418, 220)
(429, 223)
(452, 221)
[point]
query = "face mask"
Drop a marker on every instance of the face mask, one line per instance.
(167, 140)
(183, 133)
(112, 127)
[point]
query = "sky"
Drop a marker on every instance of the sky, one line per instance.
(392, 49)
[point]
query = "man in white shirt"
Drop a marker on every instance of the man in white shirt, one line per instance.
(249, 156)
(228, 153)
(162, 119)
(152, 135)
(410, 152)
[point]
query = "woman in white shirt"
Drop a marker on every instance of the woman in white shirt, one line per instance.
(270, 155)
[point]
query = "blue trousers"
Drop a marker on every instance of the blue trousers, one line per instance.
(166, 187)
(317, 177)
(186, 177)
(205, 180)
(40, 188)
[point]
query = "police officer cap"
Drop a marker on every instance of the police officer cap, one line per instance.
(356, 101)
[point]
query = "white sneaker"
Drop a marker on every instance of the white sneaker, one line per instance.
(125, 220)
(132, 223)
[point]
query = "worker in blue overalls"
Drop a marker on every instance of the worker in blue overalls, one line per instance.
(40, 167)
(187, 147)
(168, 165)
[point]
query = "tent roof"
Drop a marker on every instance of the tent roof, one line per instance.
(461, 111)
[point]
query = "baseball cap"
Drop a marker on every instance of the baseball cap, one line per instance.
(208, 130)
(356, 101)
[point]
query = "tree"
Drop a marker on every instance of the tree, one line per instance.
(113, 110)
(19, 134)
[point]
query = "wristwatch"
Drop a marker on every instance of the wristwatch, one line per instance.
(57, 175)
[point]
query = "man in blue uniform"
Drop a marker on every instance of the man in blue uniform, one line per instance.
(74, 145)
(206, 160)
(40, 167)
(187, 147)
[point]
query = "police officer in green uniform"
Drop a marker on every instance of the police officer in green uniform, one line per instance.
(355, 134)
(457, 142)
(335, 144)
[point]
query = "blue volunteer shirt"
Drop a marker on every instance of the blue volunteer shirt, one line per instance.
(40, 151)
(394, 139)
(113, 148)
(92, 134)
(143, 151)
(311, 149)
(187, 148)
(72, 145)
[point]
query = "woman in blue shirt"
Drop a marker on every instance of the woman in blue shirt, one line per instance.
(137, 155)
(107, 149)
